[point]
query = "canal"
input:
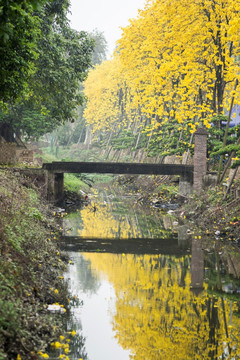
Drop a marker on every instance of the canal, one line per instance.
(146, 289)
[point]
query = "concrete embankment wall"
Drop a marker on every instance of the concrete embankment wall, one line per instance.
(11, 154)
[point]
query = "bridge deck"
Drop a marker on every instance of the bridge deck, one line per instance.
(120, 168)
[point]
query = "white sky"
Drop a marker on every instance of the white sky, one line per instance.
(106, 16)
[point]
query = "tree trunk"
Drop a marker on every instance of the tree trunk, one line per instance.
(6, 132)
(88, 137)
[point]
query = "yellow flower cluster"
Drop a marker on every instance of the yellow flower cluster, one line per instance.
(63, 345)
(43, 355)
(175, 64)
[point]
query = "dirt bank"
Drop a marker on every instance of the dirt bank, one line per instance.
(31, 269)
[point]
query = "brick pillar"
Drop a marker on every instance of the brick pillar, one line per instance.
(199, 159)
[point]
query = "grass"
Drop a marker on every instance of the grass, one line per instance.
(46, 156)
(74, 184)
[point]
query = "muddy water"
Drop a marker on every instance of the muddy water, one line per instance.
(166, 300)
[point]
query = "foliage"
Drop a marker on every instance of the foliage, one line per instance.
(100, 48)
(19, 32)
(215, 143)
(62, 59)
(174, 70)
(63, 63)
(75, 133)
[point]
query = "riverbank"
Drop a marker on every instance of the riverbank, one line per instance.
(209, 216)
(31, 271)
(31, 266)
(215, 222)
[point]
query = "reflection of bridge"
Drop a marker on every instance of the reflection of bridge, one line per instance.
(166, 246)
(188, 174)
(177, 245)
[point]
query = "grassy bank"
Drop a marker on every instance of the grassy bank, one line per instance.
(31, 269)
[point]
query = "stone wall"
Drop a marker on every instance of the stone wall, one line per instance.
(8, 154)
(24, 155)
(11, 154)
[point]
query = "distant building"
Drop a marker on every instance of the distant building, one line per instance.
(235, 117)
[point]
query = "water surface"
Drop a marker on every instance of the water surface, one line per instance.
(174, 303)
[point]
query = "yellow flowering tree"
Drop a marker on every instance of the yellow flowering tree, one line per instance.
(175, 68)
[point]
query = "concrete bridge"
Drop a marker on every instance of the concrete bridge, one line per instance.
(191, 176)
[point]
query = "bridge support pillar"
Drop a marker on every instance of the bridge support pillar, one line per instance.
(55, 186)
(185, 186)
(199, 159)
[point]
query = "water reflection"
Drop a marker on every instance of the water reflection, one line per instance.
(142, 307)
(151, 299)
(197, 266)
(121, 218)
(95, 316)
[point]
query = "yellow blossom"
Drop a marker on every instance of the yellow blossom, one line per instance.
(56, 344)
(43, 355)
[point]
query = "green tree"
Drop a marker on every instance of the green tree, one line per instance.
(19, 33)
(100, 49)
(76, 133)
(62, 61)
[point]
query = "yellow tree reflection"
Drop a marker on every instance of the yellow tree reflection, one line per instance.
(159, 317)
(106, 221)
(101, 223)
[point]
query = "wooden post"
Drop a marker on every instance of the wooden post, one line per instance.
(199, 159)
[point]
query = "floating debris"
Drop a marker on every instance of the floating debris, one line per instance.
(56, 308)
